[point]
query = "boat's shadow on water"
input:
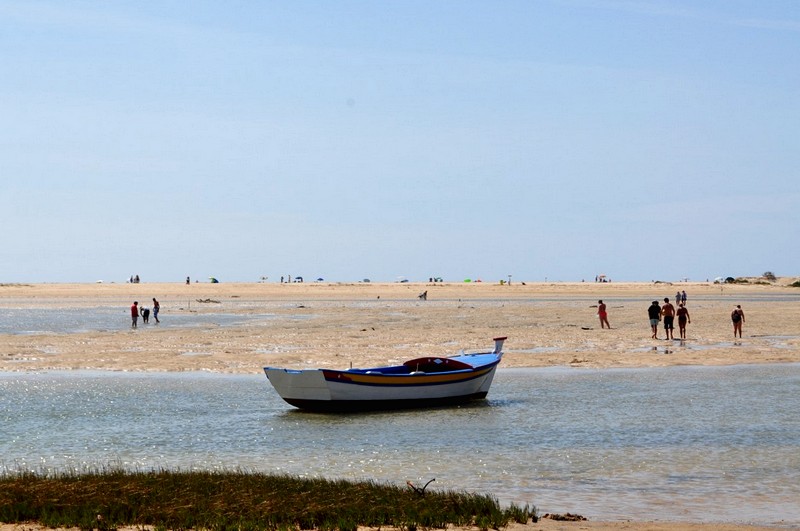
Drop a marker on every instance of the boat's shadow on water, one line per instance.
(291, 413)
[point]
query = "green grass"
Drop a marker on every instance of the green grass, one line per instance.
(239, 501)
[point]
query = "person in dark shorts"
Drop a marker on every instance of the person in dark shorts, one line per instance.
(654, 313)
(668, 313)
(683, 317)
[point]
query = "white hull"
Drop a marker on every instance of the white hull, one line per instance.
(312, 385)
(421, 382)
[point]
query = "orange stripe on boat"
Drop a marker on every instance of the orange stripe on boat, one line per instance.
(407, 379)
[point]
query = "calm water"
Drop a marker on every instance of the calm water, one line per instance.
(103, 319)
(699, 443)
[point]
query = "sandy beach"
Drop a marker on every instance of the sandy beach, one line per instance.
(336, 325)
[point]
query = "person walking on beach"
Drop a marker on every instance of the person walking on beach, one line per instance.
(145, 312)
(737, 316)
(603, 314)
(683, 317)
(683, 297)
(156, 308)
(668, 312)
(134, 314)
(654, 313)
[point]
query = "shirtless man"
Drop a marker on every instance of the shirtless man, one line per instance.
(683, 317)
(668, 312)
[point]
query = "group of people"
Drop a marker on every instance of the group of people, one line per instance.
(668, 312)
(144, 312)
(680, 297)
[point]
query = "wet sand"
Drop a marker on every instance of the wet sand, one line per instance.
(336, 325)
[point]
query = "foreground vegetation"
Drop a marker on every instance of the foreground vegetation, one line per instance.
(239, 500)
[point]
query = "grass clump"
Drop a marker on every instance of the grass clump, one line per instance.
(238, 500)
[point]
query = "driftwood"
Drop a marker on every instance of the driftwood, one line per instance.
(566, 517)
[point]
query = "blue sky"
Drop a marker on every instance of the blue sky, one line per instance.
(544, 139)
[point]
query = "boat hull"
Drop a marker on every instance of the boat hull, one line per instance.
(329, 390)
(348, 406)
(420, 382)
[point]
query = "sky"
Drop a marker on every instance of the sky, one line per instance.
(550, 140)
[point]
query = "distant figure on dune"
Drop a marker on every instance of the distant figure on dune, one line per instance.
(737, 316)
(602, 314)
(134, 314)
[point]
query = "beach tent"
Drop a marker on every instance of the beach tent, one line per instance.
(213, 280)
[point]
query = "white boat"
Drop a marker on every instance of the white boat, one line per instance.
(421, 382)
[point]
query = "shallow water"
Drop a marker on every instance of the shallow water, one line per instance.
(104, 319)
(679, 443)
